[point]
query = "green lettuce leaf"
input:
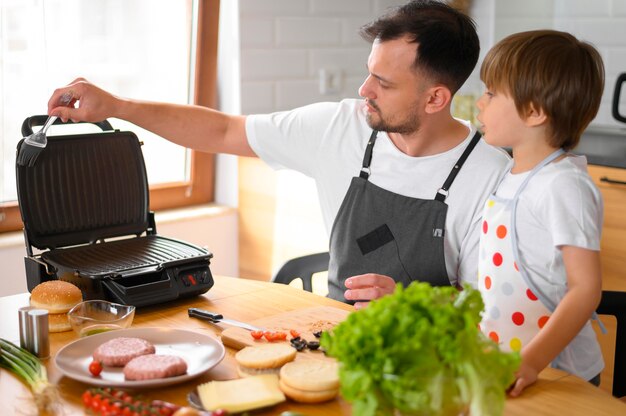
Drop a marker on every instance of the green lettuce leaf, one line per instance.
(420, 352)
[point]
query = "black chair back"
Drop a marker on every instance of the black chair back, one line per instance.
(304, 268)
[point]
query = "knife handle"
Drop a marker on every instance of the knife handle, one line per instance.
(201, 313)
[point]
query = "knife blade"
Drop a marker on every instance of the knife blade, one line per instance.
(216, 318)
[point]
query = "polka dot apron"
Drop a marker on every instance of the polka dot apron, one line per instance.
(515, 309)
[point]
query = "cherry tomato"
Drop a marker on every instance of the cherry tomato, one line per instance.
(294, 333)
(95, 401)
(269, 335)
(257, 334)
(86, 398)
(95, 368)
(280, 336)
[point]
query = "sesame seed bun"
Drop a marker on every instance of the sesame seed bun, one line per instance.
(57, 296)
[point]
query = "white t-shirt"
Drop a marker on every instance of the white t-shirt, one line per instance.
(327, 141)
(560, 206)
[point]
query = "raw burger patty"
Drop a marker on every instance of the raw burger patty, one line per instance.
(148, 367)
(117, 352)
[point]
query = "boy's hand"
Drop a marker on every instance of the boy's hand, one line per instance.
(526, 375)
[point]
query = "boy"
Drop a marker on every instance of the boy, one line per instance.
(539, 266)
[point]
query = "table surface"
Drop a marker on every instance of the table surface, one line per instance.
(555, 392)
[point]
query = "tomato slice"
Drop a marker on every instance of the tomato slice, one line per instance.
(280, 336)
(257, 334)
(294, 333)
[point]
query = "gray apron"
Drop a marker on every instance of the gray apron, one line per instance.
(378, 231)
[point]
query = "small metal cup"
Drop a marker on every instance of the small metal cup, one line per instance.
(38, 324)
(25, 331)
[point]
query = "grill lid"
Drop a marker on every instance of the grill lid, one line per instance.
(83, 188)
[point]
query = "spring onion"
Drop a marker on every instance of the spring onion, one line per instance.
(26, 366)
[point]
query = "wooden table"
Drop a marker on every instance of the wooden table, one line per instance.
(556, 392)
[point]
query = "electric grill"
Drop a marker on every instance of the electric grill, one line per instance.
(85, 207)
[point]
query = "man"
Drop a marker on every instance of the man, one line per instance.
(391, 222)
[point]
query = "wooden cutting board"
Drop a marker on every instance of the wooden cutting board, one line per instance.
(305, 321)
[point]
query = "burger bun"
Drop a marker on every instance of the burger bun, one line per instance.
(56, 296)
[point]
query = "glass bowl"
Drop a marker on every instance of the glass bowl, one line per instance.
(95, 316)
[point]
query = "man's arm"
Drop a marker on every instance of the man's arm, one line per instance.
(196, 127)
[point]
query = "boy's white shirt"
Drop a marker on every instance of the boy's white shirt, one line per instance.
(560, 206)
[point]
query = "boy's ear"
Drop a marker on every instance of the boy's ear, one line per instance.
(438, 98)
(535, 116)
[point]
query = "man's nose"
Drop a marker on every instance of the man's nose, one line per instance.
(365, 90)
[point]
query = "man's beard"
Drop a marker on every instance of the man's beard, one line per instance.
(409, 124)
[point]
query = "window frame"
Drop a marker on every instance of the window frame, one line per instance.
(200, 188)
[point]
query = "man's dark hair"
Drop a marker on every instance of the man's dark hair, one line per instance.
(447, 43)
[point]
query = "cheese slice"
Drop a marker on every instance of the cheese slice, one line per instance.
(241, 394)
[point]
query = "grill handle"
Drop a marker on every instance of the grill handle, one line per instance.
(141, 270)
(40, 120)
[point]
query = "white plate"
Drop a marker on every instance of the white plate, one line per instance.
(201, 352)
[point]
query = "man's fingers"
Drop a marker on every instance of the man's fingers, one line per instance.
(360, 305)
(368, 280)
(65, 113)
(369, 293)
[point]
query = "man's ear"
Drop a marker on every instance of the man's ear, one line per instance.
(437, 98)
(535, 116)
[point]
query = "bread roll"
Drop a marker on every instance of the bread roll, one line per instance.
(59, 322)
(57, 296)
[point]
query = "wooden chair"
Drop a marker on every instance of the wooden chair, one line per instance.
(303, 268)
(614, 303)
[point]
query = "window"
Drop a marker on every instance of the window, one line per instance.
(159, 50)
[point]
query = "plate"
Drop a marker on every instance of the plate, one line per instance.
(201, 352)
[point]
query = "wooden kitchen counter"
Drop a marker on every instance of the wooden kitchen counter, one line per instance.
(555, 393)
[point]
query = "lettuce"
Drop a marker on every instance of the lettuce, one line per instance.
(420, 352)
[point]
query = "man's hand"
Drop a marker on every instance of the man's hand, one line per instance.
(94, 104)
(367, 287)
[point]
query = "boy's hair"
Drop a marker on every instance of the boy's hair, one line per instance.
(552, 71)
(447, 44)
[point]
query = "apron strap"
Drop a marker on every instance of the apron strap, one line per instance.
(516, 253)
(367, 158)
(442, 193)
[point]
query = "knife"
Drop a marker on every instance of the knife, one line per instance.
(216, 318)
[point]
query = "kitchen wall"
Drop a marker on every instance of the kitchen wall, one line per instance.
(600, 22)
